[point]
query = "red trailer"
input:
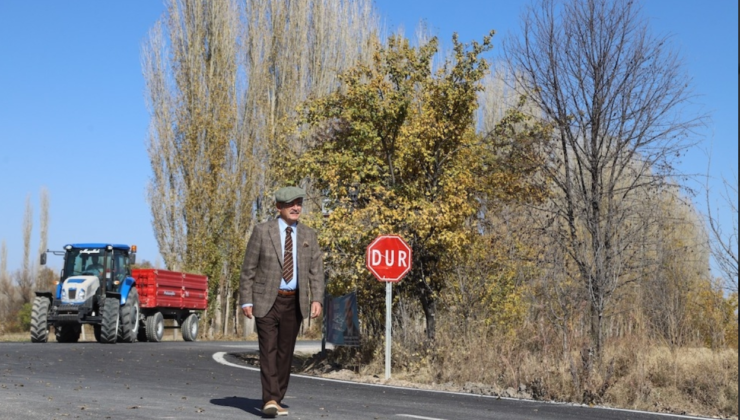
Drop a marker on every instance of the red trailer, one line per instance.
(174, 295)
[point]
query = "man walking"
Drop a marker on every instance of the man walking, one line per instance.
(282, 273)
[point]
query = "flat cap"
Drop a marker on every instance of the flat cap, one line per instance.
(288, 194)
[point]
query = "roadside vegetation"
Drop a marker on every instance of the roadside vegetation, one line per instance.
(556, 254)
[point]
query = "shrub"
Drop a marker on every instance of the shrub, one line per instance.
(24, 317)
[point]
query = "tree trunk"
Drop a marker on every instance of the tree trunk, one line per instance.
(429, 305)
(226, 310)
(596, 320)
(218, 312)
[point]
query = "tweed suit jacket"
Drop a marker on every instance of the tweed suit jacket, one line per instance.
(263, 267)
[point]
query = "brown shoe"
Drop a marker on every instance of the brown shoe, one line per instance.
(271, 408)
(282, 411)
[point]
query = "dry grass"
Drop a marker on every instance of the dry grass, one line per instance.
(14, 337)
(633, 374)
(704, 374)
(690, 380)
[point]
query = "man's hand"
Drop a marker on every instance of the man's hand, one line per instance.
(248, 311)
(315, 309)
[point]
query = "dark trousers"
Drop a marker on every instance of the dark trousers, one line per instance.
(277, 332)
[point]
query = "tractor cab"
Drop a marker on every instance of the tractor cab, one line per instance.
(109, 264)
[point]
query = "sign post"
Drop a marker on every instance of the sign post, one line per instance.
(388, 257)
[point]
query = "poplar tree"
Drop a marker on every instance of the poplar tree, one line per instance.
(221, 78)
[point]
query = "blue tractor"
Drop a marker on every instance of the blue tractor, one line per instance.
(95, 287)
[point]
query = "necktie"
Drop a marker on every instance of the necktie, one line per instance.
(288, 255)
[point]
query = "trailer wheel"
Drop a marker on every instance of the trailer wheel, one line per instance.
(109, 326)
(130, 318)
(39, 326)
(155, 327)
(68, 333)
(190, 328)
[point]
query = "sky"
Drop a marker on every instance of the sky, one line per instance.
(74, 121)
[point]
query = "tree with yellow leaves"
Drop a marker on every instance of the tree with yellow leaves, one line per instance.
(395, 151)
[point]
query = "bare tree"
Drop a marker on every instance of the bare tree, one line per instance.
(194, 146)
(25, 277)
(723, 241)
(496, 98)
(44, 276)
(613, 95)
(679, 248)
(6, 287)
(295, 50)
(43, 220)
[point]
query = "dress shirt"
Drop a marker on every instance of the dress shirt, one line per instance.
(293, 282)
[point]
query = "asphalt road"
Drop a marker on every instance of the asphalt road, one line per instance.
(196, 380)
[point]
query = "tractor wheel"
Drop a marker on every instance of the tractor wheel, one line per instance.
(190, 328)
(130, 318)
(69, 333)
(109, 326)
(39, 326)
(155, 327)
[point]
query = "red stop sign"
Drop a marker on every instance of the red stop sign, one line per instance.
(388, 257)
